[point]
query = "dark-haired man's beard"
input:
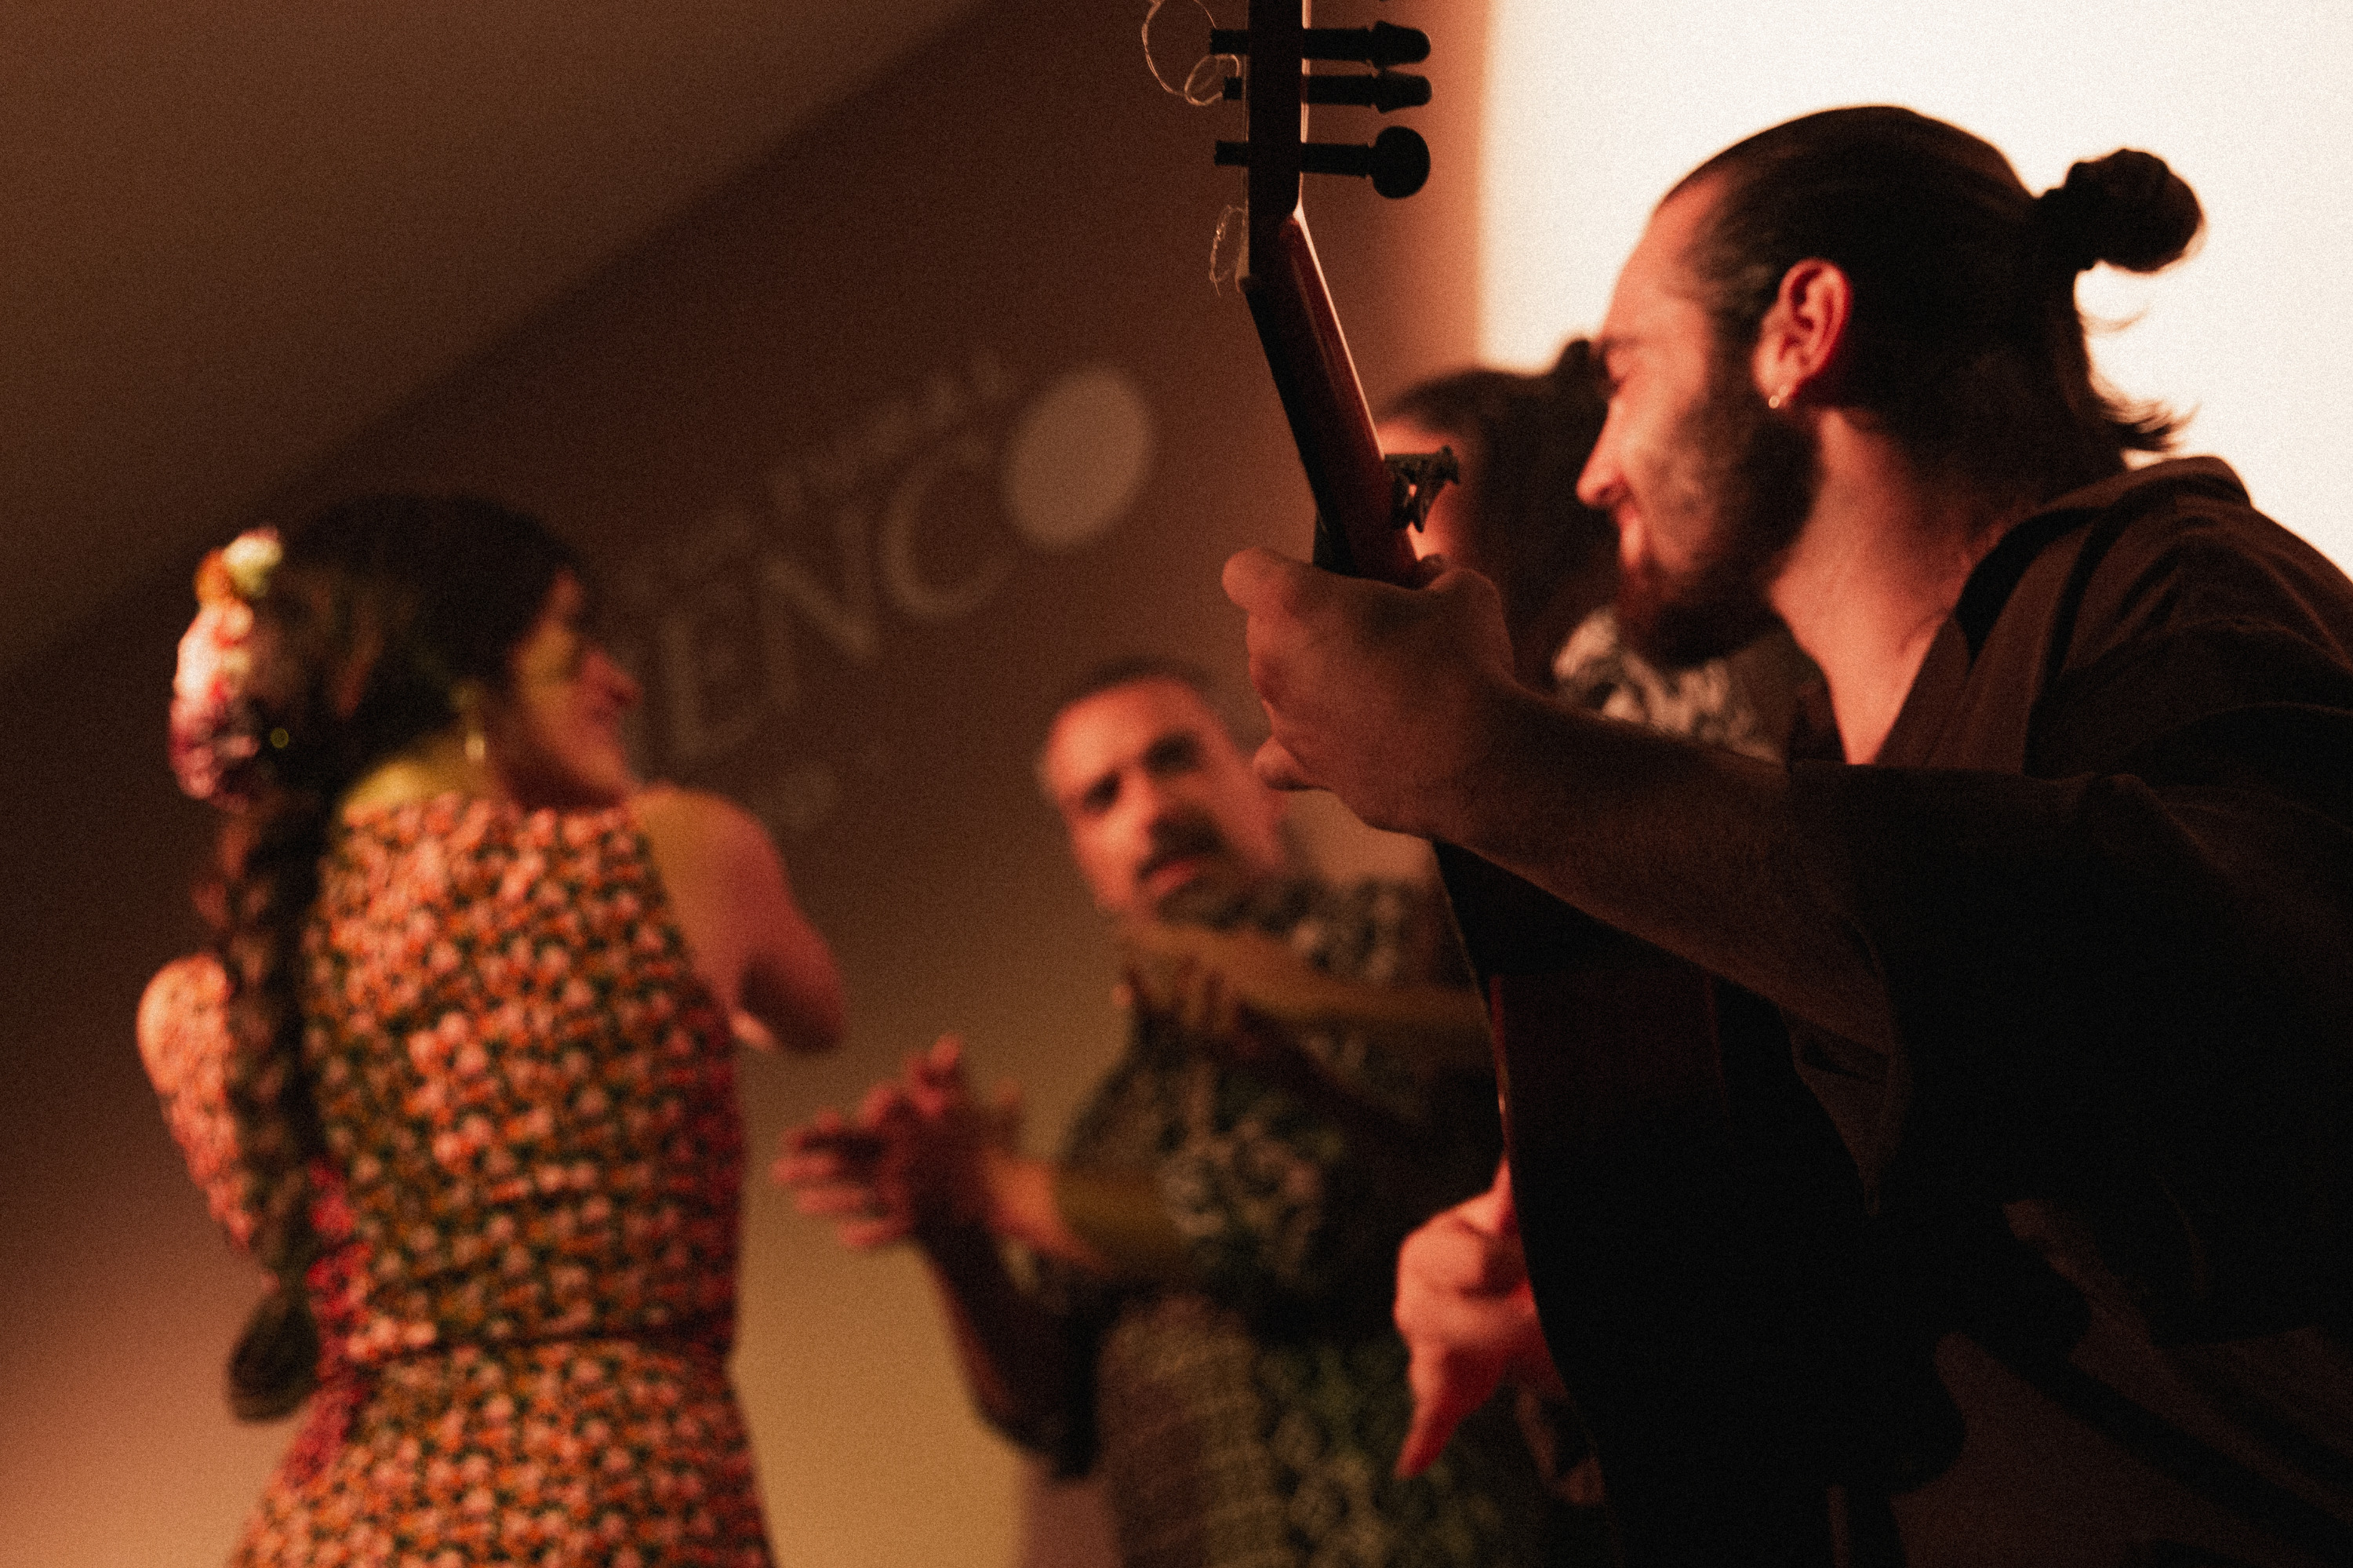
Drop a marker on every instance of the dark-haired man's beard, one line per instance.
(1217, 888)
(1755, 474)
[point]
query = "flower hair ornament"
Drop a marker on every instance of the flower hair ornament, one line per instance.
(217, 739)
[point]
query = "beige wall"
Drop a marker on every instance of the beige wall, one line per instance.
(874, 450)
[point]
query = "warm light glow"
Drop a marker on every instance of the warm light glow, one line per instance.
(1594, 110)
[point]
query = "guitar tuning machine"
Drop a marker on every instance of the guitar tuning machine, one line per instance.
(1383, 91)
(1383, 45)
(1415, 480)
(1398, 161)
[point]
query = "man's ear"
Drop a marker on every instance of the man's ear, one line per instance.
(1800, 341)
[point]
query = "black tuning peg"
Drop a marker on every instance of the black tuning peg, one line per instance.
(1383, 43)
(1383, 91)
(1398, 161)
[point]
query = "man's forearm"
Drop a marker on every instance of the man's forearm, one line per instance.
(1690, 848)
(1021, 1206)
(1015, 1354)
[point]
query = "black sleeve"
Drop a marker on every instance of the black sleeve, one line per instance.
(2128, 983)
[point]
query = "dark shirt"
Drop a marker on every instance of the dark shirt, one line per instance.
(2104, 869)
(2093, 1075)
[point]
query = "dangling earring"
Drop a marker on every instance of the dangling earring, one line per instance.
(1779, 400)
(477, 745)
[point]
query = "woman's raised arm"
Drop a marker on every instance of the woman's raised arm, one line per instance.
(734, 906)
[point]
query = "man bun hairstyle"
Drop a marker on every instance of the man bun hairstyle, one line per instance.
(1964, 345)
(2127, 209)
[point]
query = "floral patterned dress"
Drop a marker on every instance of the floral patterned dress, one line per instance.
(530, 1194)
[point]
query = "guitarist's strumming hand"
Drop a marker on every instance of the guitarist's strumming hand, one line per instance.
(1468, 1319)
(1389, 698)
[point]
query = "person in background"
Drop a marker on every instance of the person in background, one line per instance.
(1521, 442)
(1305, 1081)
(458, 1070)
(1514, 517)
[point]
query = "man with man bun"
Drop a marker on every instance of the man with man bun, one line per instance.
(2063, 950)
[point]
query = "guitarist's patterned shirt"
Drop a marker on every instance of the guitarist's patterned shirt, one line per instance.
(1249, 1417)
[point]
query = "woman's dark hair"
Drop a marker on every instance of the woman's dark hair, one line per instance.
(376, 614)
(1965, 342)
(1529, 437)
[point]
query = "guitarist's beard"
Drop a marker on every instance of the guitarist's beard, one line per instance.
(1754, 473)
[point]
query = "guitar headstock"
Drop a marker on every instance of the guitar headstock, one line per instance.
(1277, 86)
(1363, 502)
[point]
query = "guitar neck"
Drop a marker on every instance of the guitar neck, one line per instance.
(1331, 424)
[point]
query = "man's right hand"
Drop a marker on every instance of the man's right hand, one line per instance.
(1468, 1317)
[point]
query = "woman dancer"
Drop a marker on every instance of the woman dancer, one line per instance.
(457, 1070)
